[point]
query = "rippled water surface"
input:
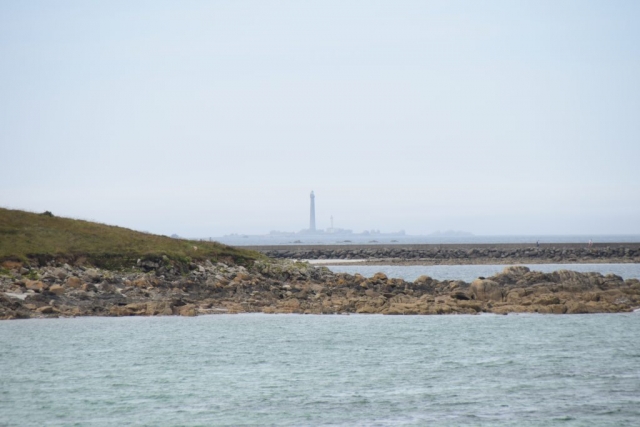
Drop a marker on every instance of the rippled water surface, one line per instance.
(472, 272)
(294, 370)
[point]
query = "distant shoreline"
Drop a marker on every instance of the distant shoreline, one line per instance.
(375, 240)
(457, 254)
(479, 261)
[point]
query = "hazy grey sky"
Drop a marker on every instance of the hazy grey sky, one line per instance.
(204, 118)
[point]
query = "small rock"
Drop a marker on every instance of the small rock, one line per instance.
(74, 282)
(35, 285)
(88, 287)
(56, 289)
(380, 276)
(59, 273)
(92, 275)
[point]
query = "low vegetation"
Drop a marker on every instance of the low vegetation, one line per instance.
(31, 237)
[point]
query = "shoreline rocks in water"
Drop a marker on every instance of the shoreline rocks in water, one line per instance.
(461, 253)
(288, 287)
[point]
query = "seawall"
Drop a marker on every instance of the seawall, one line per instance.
(461, 253)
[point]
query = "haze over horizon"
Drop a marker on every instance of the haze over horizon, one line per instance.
(204, 119)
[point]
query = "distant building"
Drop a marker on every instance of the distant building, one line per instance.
(334, 230)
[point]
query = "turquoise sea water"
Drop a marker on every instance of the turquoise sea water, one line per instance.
(296, 370)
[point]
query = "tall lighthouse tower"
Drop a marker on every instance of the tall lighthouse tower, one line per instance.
(312, 218)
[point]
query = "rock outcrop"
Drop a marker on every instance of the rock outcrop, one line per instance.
(288, 287)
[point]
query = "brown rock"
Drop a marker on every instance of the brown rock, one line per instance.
(405, 309)
(47, 309)
(591, 296)
(159, 308)
(517, 295)
(11, 265)
(74, 282)
(371, 293)
(35, 285)
(576, 307)
(367, 309)
(380, 277)
(137, 307)
(187, 310)
(473, 305)
(423, 280)
(118, 310)
(134, 309)
(292, 305)
(141, 282)
(547, 300)
(56, 289)
(557, 308)
(241, 277)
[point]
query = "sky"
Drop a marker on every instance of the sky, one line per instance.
(204, 118)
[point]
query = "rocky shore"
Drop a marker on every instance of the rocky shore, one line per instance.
(157, 288)
(461, 254)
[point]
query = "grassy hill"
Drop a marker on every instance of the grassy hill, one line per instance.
(28, 236)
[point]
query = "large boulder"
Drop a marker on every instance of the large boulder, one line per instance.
(531, 278)
(188, 310)
(575, 281)
(511, 275)
(486, 290)
(424, 279)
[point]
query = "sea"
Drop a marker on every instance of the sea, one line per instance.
(322, 370)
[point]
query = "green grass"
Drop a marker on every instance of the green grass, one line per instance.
(26, 236)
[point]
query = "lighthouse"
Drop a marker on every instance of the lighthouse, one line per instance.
(312, 215)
